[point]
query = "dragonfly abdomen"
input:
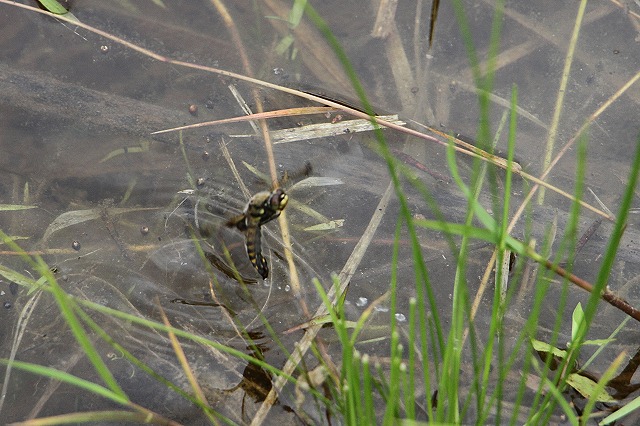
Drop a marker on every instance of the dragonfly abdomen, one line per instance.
(253, 237)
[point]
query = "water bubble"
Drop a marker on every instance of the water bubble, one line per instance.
(381, 309)
(362, 301)
(287, 287)
(401, 317)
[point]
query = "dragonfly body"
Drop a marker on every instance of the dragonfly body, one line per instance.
(262, 208)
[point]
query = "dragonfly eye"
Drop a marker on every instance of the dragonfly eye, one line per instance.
(278, 200)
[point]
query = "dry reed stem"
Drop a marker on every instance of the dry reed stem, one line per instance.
(626, 8)
(290, 112)
(182, 358)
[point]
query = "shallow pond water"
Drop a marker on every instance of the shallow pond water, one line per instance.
(136, 222)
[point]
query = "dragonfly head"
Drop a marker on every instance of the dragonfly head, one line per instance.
(278, 200)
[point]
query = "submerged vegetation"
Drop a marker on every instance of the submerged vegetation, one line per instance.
(161, 300)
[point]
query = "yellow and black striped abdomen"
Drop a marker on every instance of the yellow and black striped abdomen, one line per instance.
(253, 242)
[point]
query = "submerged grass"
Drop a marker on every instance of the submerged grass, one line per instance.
(428, 356)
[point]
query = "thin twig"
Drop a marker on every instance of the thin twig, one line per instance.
(177, 348)
(606, 295)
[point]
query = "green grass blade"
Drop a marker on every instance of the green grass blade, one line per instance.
(609, 374)
(15, 207)
(628, 408)
(369, 411)
(68, 378)
(53, 6)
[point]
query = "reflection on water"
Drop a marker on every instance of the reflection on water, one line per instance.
(136, 222)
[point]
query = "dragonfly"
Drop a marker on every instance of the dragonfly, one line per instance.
(262, 208)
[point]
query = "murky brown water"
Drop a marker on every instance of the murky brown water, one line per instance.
(77, 113)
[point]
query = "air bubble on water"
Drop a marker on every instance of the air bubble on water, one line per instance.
(362, 301)
(401, 317)
(381, 309)
(287, 287)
